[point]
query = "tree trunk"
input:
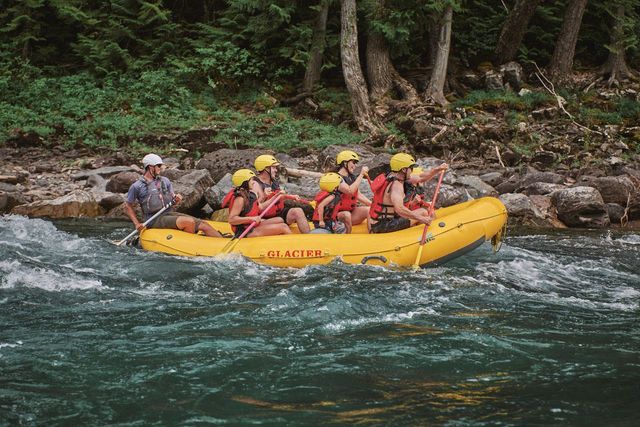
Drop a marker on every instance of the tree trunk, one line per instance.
(562, 59)
(383, 76)
(514, 29)
(363, 114)
(435, 90)
(318, 43)
(616, 65)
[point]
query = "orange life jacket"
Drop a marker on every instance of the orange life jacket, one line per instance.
(250, 207)
(331, 210)
(276, 209)
(348, 202)
(378, 209)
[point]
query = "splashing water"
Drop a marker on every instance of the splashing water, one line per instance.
(543, 332)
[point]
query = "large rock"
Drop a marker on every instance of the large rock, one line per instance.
(545, 207)
(75, 204)
(512, 75)
(492, 178)
(542, 188)
(108, 200)
(493, 81)
(104, 172)
(535, 176)
(616, 212)
(227, 160)
(10, 200)
(448, 196)
(216, 193)
(522, 211)
(192, 187)
(481, 188)
(120, 182)
(621, 190)
(581, 207)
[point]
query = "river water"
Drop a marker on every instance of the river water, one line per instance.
(546, 331)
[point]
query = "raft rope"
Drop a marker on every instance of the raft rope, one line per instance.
(497, 239)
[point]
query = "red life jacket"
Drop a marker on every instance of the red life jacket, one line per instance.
(331, 210)
(348, 202)
(250, 207)
(378, 209)
(276, 209)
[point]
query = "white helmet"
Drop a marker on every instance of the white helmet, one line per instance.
(151, 160)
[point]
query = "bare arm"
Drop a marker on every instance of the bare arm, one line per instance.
(397, 200)
(351, 189)
(426, 176)
(321, 207)
(234, 214)
(131, 213)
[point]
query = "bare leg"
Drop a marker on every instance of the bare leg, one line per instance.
(186, 223)
(270, 230)
(297, 215)
(208, 230)
(359, 214)
(345, 216)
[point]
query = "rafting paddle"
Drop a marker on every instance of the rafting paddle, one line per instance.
(147, 222)
(432, 208)
(234, 241)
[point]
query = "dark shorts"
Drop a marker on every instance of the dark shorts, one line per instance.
(389, 225)
(240, 229)
(169, 221)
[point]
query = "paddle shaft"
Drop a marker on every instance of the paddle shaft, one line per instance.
(234, 240)
(432, 208)
(147, 222)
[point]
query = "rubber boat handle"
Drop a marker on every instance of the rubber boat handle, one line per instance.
(376, 257)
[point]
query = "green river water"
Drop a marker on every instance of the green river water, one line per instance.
(544, 332)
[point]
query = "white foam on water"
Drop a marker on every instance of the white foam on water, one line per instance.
(9, 345)
(16, 274)
(342, 325)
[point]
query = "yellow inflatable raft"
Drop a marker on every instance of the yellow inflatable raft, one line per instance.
(455, 230)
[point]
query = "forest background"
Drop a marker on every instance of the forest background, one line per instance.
(123, 74)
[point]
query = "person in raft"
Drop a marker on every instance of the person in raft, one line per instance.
(350, 213)
(414, 190)
(325, 215)
(388, 211)
(244, 208)
(153, 192)
(266, 184)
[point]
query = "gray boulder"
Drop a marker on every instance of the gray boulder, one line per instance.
(192, 187)
(104, 172)
(216, 193)
(512, 75)
(227, 160)
(620, 190)
(521, 209)
(120, 182)
(78, 203)
(616, 212)
(542, 188)
(581, 207)
(481, 188)
(535, 176)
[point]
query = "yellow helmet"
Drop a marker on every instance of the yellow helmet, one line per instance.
(264, 161)
(330, 181)
(417, 171)
(346, 155)
(402, 160)
(241, 176)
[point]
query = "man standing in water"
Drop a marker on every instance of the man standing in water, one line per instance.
(153, 192)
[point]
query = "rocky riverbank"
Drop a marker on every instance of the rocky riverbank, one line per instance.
(39, 181)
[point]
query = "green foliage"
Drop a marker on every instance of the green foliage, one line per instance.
(79, 108)
(277, 130)
(496, 100)
(618, 111)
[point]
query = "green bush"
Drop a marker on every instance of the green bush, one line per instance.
(277, 130)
